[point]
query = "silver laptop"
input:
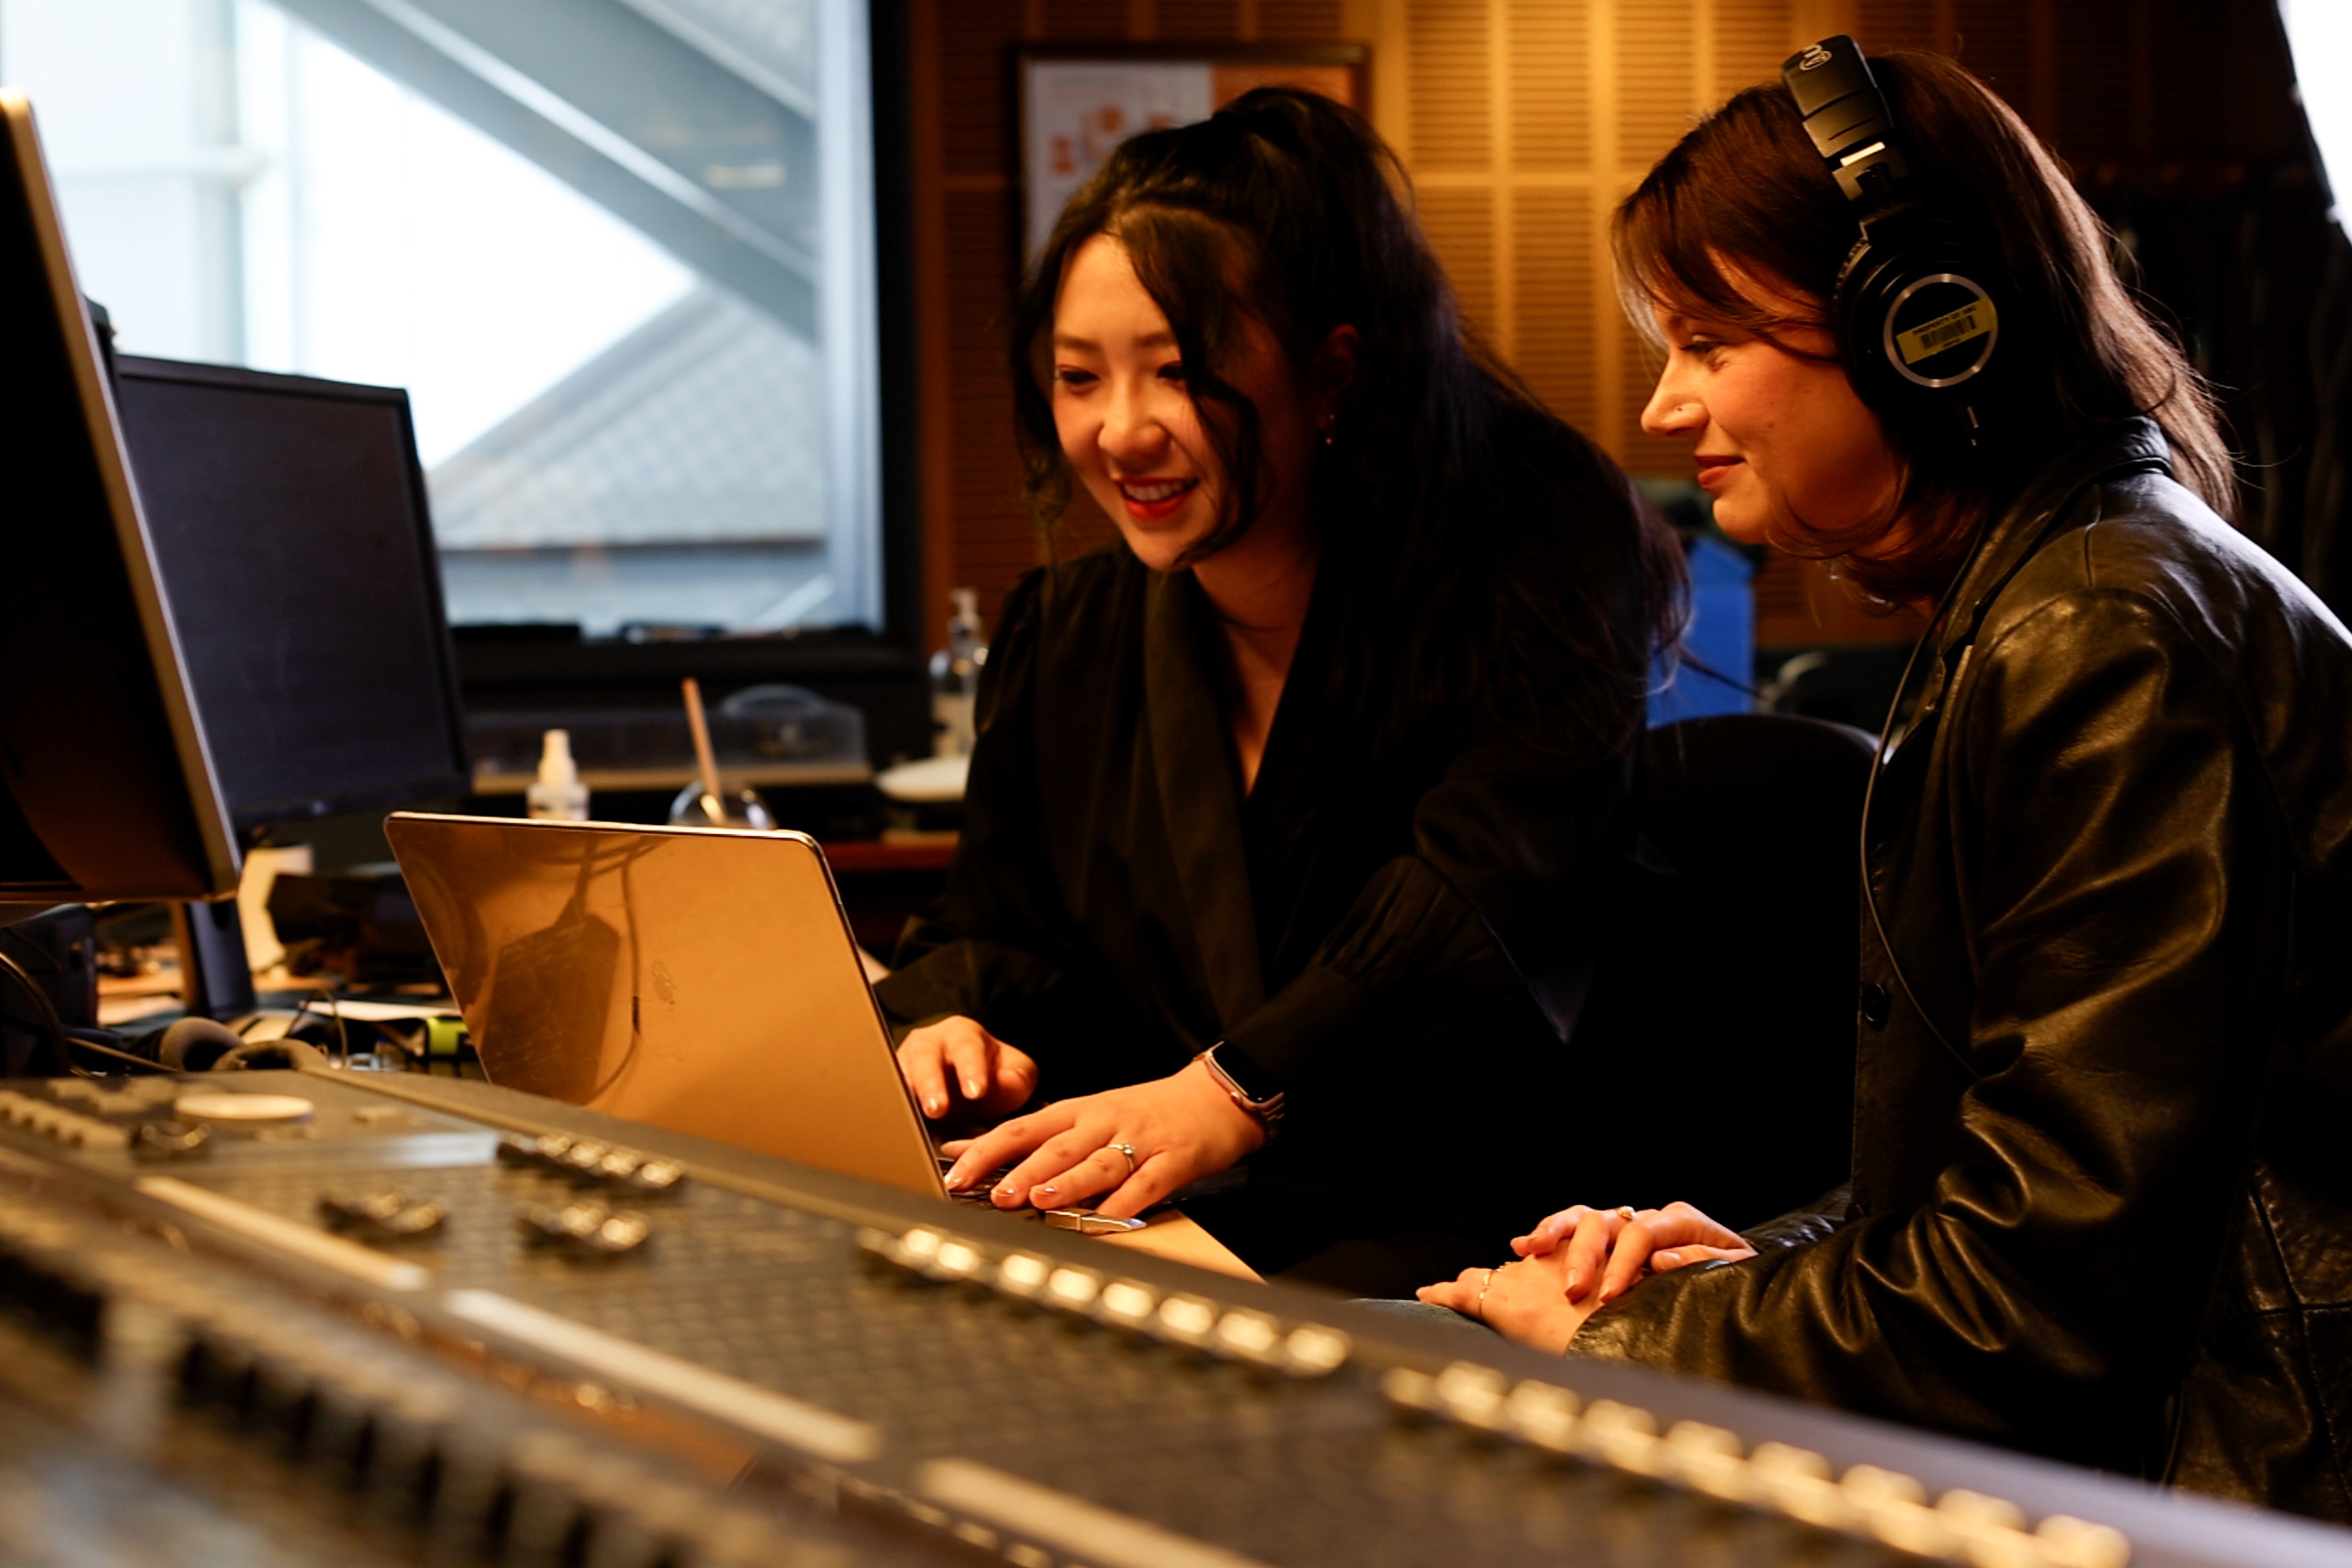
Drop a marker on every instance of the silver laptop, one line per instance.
(699, 979)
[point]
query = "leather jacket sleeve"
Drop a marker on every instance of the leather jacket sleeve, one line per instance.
(2110, 974)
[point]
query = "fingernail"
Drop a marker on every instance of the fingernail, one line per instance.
(971, 1088)
(956, 1177)
(931, 1106)
(1575, 1282)
(1049, 1189)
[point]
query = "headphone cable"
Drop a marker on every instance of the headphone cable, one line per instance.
(1870, 792)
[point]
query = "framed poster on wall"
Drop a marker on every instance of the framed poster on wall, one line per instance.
(1080, 101)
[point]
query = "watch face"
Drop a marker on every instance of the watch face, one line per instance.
(1246, 1075)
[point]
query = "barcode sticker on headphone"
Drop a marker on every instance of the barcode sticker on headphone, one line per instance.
(1973, 319)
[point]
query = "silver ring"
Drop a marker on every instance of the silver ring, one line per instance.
(1478, 1307)
(1623, 1211)
(1126, 1149)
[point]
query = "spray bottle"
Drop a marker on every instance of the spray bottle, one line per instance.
(955, 677)
(557, 795)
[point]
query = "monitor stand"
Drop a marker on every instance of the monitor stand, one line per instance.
(215, 981)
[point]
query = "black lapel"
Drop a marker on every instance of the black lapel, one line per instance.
(1193, 761)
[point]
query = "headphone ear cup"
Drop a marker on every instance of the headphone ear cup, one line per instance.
(1919, 324)
(194, 1045)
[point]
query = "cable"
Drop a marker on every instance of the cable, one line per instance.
(1870, 793)
(50, 1021)
(65, 1041)
(78, 1043)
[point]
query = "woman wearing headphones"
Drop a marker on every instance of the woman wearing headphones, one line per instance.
(2099, 1197)
(1292, 807)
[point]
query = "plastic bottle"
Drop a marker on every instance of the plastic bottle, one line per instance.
(955, 677)
(557, 795)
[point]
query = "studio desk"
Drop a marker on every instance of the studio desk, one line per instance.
(423, 1324)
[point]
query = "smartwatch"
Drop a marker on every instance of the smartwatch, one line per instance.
(1246, 1082)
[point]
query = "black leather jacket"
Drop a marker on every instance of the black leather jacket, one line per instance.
(2111, 1222)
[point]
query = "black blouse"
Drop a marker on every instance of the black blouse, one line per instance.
(1404, 948)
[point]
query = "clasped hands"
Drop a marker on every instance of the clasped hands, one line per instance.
(1577, 1261)
(1122, 1150)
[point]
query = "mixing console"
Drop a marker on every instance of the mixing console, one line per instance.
(330, 1317)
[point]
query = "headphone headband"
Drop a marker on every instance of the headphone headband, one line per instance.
(1848, 119)
(1916, 312)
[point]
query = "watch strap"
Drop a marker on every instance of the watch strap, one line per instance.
(1244, 1082)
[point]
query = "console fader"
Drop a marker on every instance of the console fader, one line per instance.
(357, 1318)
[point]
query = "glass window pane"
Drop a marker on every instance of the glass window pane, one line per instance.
(619, 251)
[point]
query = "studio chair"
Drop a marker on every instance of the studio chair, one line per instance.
(1723, 1001)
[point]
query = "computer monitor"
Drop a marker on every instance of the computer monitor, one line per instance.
(289, 522)
(107, 786)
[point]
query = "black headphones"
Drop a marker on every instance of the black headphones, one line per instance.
(1918, 311)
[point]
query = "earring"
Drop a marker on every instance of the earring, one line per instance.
(1331, 430)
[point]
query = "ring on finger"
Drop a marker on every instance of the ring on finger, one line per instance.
(1478, 1307)
(1126, 1152)
(1623, 1211)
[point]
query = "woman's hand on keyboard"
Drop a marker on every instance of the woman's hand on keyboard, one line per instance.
(1604, 1252)
(955, 1065)
(1181, 1127)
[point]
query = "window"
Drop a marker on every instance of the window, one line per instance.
(621, 253)
(2319, 35)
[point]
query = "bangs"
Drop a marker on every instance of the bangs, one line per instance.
(1670, 256)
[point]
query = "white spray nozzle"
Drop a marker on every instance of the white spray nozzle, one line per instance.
(555, 764)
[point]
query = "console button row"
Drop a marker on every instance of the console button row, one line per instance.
(70, 1127)
(588, 1228)
(1884, 1505)
(1239, 1333)
(387, 1214)
(421, 1449)
(592, 1164)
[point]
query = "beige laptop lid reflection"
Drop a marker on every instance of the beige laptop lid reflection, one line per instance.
(698, 979)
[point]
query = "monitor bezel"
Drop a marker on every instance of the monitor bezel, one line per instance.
(457, 781)
(214, 870)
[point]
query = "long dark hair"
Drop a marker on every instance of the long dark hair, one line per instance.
(1746, 193)
(1492, 562)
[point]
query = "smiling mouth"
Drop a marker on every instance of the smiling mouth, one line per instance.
(1157, 490)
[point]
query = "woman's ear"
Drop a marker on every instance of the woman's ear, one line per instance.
(1332, 370)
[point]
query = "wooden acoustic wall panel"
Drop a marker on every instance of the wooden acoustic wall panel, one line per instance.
(1883, 25)
(1553, 237)
(1460, 222)
(1090, 21)
(1550, 63)
(1994, 39)
(975, 121)
(2185, 85)
(1183, 19)
(1300, 21)
(995, 542)
(1658, 79)
(1750, 42)
(1447, 63)
(2097, 112)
